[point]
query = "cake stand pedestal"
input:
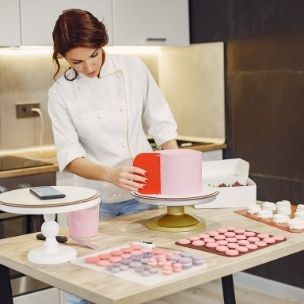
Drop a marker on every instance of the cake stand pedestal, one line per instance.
(21, 201)
(175, 219)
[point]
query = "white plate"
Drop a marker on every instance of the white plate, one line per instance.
(181, 201)
(207, 192)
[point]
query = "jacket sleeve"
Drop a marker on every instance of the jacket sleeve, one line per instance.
(66, 138)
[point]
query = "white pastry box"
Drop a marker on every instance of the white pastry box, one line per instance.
(227, 175)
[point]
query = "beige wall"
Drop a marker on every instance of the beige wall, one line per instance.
(191, 79)
(23, 78)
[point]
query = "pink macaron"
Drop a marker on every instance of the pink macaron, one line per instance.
(231, 252)
(184, 241)
(198, 243)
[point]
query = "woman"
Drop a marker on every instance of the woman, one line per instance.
(100, 110)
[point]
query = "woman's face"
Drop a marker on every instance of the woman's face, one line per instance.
(86, 61)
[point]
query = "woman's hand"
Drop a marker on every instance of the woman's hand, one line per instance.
(127, 177)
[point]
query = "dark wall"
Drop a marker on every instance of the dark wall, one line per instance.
(265, 125)
(226, 20)
(264, 78)
(264, 55)
(264, 103)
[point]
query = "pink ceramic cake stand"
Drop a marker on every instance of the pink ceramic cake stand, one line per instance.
(175, 218)
(22, 201)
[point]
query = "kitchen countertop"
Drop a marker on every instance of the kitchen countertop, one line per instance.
(45, 154)
(208, 147)
(48, 154)
(28, 171)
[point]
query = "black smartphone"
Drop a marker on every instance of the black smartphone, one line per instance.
(46, 192)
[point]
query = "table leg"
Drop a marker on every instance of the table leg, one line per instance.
(6, 296)
(228, 289)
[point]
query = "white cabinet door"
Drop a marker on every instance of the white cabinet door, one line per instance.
(9, 23)
(151, 22)
(46, 296)
(38, 17)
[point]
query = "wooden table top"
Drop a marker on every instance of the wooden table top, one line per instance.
(106, 288)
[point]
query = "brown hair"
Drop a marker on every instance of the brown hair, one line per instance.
(77, 28)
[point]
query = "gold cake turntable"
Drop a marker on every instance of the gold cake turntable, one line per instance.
(176, 219)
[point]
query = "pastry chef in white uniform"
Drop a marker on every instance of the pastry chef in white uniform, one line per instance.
(101, 109)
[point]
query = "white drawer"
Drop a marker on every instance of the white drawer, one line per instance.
(46, 296)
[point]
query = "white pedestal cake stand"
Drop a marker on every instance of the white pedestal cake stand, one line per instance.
(22, 201)
(175, 218)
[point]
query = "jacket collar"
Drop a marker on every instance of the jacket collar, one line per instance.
(106, 69)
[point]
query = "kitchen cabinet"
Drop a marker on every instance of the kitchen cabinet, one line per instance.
(146, 22)
(9, 23)
(47, 296)
(129, 22)
(38, 17)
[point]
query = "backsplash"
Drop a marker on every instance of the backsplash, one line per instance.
(192, 79)
(24, 78)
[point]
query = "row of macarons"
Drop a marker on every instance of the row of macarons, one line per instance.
(279, 212)
(230, 241)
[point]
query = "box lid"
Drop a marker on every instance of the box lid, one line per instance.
(225, 171)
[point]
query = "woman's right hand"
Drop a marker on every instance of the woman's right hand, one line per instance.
(127, 177)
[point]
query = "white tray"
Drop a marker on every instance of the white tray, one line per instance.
(206, 196)
(131, 275)
(206, 192)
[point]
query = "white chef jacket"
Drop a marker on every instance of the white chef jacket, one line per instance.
(105, 119)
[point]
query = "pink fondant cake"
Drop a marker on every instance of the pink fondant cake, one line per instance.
(179, 172)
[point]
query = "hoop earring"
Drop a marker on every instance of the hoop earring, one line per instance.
(73, 78)
(103, 60)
